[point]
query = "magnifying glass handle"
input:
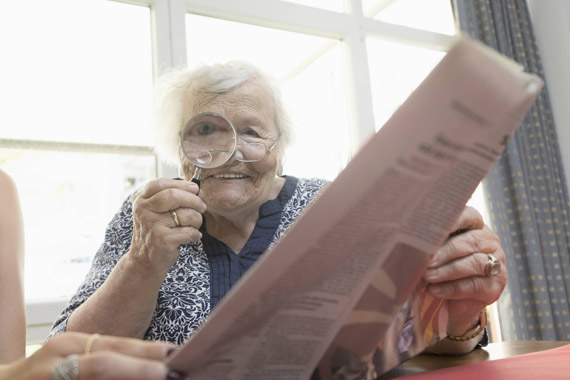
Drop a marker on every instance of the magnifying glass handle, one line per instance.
(196, 177)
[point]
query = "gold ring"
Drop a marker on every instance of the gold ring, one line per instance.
(175, 218)
(493, 266)
(90, 342)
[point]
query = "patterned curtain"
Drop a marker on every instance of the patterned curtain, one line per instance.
(526, 191)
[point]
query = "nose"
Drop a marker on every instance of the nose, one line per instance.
(238, 155)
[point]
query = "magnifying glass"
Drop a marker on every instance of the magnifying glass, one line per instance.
(208, 141)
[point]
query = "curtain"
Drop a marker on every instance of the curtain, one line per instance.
(526, 191)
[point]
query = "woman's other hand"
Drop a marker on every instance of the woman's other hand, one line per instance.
(459, 271)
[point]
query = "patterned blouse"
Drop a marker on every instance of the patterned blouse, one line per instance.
(205, 270)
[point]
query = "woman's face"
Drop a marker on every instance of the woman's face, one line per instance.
(241, 186)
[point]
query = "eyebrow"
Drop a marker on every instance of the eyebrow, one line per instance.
(249, 121)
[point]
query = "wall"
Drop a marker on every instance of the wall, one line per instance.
(551, 21)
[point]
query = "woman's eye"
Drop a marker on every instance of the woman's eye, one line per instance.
(250, 132)
(204, 129)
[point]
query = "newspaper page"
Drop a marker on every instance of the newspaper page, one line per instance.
(344, 270)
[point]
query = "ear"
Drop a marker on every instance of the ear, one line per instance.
(279, 170)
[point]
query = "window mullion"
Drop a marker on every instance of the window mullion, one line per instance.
(358, 77)
(168, 31)
(168, 35)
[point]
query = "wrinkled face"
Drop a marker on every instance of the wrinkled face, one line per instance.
(240, 186)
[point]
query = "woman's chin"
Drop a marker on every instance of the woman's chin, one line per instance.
(225, 201)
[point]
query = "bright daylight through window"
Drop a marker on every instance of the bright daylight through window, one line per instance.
(77, 93)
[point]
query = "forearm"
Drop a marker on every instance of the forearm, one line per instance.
(123, 305)
(12, 311)
(12, 314)
(12, 326)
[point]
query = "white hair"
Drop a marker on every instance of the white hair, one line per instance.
(179, 91)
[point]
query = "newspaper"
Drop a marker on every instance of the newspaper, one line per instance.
(343, 286)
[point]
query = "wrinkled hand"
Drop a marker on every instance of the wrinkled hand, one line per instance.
(457, 271)
(156, 237)
(111, 358)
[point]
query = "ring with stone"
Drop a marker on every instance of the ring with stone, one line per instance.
(493, 266)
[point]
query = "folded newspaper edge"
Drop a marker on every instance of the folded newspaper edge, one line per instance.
(340, 295)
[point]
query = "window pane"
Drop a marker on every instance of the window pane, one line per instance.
(76, 71)
(67, 200)
(395, 71)
(432, 15)
(73, 71)
(330, 5)
(313, 84)
(316, 100)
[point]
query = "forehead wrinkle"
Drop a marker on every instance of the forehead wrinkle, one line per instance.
(257, 110)
(208, 103)
(241, 106)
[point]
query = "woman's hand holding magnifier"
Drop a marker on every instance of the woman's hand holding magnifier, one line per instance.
(166, 214)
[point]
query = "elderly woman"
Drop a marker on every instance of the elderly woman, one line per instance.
(174, 250)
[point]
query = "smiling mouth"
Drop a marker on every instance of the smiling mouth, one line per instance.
(229, 176)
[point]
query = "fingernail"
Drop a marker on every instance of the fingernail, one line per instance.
(193, 187)
(174, 375)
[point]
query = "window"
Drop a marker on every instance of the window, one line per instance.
(395, 71)
(67, 199)
(75, 131)
(84, 78)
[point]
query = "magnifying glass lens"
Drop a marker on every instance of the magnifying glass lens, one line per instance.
(208, 140)
(203, 157)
